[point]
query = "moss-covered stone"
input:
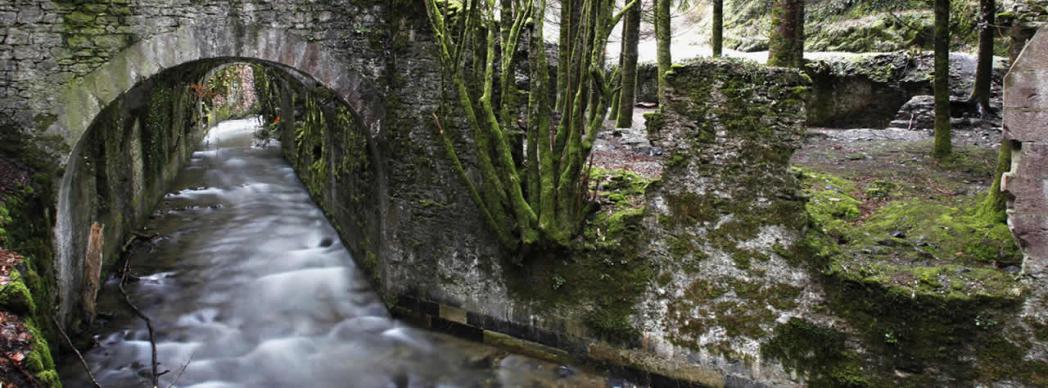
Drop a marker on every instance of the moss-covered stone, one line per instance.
(953, 243)
(15, 296)
(602, 272)
(818, 353)
(918, 282)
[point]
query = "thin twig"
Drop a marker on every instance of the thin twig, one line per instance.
(78, 354)
(140, 314)
(180, 371)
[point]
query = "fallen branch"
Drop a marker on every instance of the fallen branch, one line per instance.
(134, 237)
(83, 362)
(140, 314)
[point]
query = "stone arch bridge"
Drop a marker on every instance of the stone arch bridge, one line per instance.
(87, 89)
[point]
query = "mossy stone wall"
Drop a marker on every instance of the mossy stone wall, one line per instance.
(726, 219)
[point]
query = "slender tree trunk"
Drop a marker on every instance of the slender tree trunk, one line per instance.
(984, 69)
(564, 48)
(718, 28)
(943, 137)
(786, 43)
(630, 41)
(996, 202)
(663, 34)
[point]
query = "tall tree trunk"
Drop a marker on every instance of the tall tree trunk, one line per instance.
(718, 28)
(943, 137)
(630, 41)
(984, 70)
(663, 33)
(786, 43)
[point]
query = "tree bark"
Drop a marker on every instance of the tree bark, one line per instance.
(996, 201)
(548, 207)
(630, 41)
(786, 42)
(943, 138)
(663, 33)
(984, 69)
(718, 28)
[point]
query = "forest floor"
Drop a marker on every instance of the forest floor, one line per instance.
(902, 158)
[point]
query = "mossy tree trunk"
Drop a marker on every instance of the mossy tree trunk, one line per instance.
(541, 202)
(663, 36)
(984, 69)
(943, 138)
(718, 28)
(628, 73)
(786, 42)
(568, 31)
(996, 202)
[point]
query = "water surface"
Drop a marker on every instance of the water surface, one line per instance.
(248, 285)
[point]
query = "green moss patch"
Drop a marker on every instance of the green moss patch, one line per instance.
(918, 278)
(912, 246)
(818, 353)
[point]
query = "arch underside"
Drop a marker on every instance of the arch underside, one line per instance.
(181, 56)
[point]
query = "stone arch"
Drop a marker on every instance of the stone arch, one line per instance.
(84, 99)
(1026, 126)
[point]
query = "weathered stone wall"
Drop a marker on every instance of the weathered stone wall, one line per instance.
(46, 44)
(868, 90)
(865, 90)
(1026, 125)
(726, 218)
(122, 166)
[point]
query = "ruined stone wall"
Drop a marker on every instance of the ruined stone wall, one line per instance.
(727, 219)
(1026, 125)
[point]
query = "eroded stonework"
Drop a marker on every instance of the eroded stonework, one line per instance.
(1026, 125)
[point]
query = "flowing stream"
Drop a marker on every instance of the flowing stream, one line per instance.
(248, 285)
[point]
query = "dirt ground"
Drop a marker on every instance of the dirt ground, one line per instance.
(904, 159)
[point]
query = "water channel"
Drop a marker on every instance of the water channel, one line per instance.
(248, 285)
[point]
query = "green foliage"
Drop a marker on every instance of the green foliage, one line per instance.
(5, 218)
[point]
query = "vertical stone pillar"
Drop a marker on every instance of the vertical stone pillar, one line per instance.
(1026, 124)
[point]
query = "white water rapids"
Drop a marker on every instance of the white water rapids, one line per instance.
(248, 285)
